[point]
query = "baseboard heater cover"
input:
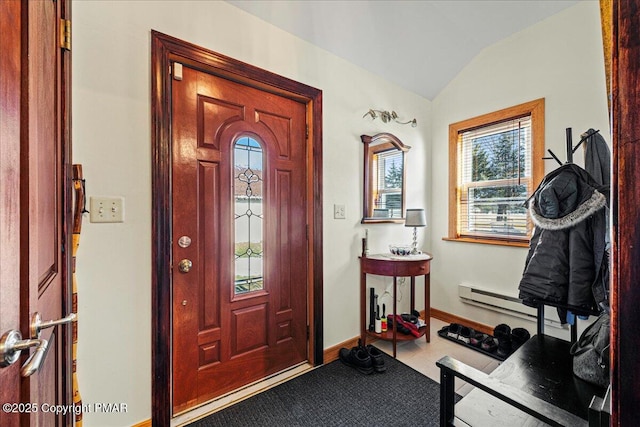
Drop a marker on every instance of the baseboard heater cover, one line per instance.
(502, 303)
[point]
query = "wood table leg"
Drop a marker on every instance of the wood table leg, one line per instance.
(427, 305)
(363, 303)
(413, 294)
(395, 312)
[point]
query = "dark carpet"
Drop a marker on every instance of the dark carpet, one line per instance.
(337, 395)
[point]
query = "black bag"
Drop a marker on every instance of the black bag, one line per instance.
(591, 352)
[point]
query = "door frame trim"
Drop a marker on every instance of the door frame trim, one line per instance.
(68, 305)
(165, 50)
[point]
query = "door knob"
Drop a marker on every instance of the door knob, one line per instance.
(185, 265)
(11, 344)
(37, 325)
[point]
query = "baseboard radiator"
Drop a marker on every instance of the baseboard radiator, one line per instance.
(505, 304)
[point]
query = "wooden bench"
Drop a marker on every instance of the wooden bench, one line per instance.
(534, 386)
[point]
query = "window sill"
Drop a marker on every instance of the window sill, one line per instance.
(498, 242)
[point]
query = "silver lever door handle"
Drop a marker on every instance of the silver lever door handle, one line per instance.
(37, 325)
(11, 344)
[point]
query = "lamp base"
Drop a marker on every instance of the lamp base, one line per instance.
(414, 244)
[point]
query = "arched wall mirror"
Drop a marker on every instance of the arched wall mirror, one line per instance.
(384, 178)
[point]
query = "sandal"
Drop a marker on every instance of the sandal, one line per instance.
(489, 344)
(454, 330)
(465, 334)
(477, 338)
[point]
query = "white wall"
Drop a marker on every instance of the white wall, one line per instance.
(112, 140)
(559, 59)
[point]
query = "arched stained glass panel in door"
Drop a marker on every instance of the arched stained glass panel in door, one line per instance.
(248, 197)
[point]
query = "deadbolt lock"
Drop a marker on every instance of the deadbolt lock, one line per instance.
(185, 265)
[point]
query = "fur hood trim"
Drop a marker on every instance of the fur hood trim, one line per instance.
(596, 202)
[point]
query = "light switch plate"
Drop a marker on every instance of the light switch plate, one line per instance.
(339, 212)
(106, 209)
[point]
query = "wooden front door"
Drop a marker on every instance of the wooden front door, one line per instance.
(34, 159)
(239, 244)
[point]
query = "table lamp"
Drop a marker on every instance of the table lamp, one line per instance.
(415, 218)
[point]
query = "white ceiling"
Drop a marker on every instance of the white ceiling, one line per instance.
(421, 45)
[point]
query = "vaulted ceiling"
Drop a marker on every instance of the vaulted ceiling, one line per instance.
(421, 45)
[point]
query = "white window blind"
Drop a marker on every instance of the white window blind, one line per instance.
(495, 180)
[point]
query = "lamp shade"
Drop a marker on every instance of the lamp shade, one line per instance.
(415, 218)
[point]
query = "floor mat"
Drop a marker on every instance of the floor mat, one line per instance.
(335, 395)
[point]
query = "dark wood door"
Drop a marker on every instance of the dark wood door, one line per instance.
(239, 244)
(34, 152)
(10, 29)
(625, 191)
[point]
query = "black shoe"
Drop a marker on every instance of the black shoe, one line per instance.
(504, 347)
(477, 338)
(465, 334)
(391, 323)
(518, 337)
(489, 344)
(502, 333)
(409, 318)
(376, 358)
(357, 358)
(403, 329)
(454, 330)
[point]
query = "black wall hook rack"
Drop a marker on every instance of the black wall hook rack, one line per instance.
(570, 148)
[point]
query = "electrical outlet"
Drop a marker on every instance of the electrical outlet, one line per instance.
(106, 209)
(339, 212)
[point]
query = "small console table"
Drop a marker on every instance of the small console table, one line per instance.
(396, 266)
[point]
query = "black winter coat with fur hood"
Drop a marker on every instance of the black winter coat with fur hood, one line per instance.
(567, 249)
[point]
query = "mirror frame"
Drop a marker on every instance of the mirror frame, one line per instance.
(373, 145)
